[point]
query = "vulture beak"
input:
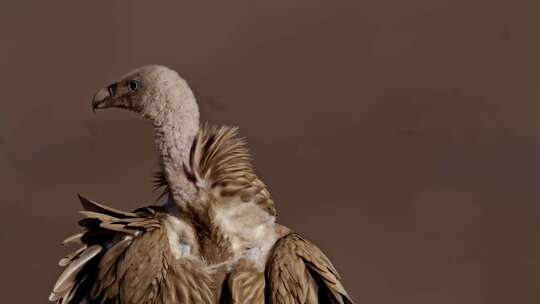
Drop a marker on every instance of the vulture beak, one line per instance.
(104, 98)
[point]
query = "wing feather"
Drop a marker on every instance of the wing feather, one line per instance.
(126, 258)
(299, 272)
(90, 205)
(67, 279)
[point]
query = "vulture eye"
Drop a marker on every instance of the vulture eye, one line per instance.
(133, 85)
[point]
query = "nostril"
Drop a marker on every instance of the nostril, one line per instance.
(112, 89)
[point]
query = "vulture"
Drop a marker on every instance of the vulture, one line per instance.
(215, 240)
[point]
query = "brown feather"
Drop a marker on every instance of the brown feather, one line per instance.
(298, 272)
(246, 283)
(129, 260)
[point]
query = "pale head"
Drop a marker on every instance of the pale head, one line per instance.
(156, 92)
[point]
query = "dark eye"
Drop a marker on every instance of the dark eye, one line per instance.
(133, 85)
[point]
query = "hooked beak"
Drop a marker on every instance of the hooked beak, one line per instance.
(104, 98)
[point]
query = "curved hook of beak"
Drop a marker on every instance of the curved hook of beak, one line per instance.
(101, 99)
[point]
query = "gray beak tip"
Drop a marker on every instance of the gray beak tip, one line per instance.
(99, 98)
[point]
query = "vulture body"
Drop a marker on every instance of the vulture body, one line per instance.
(239, 253)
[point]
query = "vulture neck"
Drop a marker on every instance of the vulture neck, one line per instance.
(174, 136)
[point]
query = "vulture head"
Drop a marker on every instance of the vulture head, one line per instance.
(156, 92)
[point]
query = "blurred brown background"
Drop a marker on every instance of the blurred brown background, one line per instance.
(403, 137)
